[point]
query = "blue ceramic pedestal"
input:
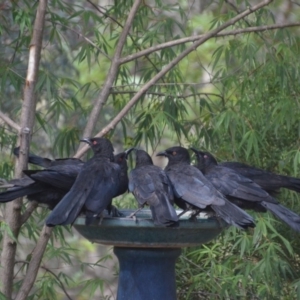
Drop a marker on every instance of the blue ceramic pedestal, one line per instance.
(147, 274)
(147, 253)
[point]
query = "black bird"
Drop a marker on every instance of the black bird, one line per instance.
(46, 186)
(50, 185)
(151, 186)
(95, 186)
(242, 190)
(190, 186)
(268, 181)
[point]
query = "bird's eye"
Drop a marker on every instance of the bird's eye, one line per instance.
(94, 142)
(120, 159)
(174, 153)
(205, 156)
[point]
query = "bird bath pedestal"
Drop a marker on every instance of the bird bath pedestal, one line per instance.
(147, 253)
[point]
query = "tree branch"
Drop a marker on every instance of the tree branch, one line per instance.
(13, 209)
(168, 67)
(58, 279)
(165, 94)
(52, 273)
(34, 263)
(112, 73)
(104, 13)
(197, 37)
(9, 121)
(85, 38)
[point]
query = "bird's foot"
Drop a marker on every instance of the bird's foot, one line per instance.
(217, 218)
(116, 213)
(132, 216)
(100, 219)
(193, 217)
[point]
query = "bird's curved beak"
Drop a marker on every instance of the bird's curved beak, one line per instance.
(127, 152)
(194, 149)
(198, 152)
(86, 140)
(162, 153)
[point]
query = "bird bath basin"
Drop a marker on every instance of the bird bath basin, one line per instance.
(147, 253)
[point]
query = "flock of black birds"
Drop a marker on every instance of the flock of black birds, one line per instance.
(70, 187)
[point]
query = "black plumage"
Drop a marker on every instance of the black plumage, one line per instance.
(96, 184)
(47, 162)
(268, 181)
(151, 186)
(191, 187)
(242, 190)
(50, 185)
(43, 186)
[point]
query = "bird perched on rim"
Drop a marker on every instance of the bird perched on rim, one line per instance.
(95, 186)
(268, 181)
(50, 185)
(242, 190)
(191, 187)
(151, 186)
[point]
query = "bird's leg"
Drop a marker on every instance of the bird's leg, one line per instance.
(193, 217)
(182, 213)
(100, 217)
(219, 219)
(115, 212)
(135, 212)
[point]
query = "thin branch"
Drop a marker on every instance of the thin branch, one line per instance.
(166, 95)
(52, 273)
(85, 38)
(197, 37)
(112, 73)
(9, 121)
(168, 67)
(60, 282)
(104, 13)
(34, 263)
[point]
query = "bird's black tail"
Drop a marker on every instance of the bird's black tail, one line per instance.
(292, 183)
(234, 215)
(68, 209)
(163, 213)
(20, 192)
(35, 159)
(284, 214)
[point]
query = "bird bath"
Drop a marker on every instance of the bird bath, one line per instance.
(147, 253)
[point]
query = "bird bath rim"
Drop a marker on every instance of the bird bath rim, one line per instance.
(142, 233)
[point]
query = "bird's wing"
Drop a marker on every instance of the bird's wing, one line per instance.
(142, 186)
(190, 185)
(230, 183)
(35, 159)
(167, 186)
(105, 187)
(148, 184)
(67, 210)
(62, 176)
(268, 181)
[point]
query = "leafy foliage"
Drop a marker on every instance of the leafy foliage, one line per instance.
(236, 96)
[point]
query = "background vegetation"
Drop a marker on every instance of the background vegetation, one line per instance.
(154, 74)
